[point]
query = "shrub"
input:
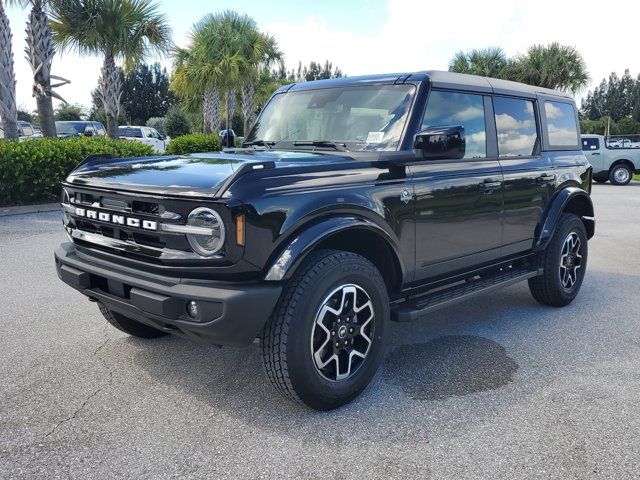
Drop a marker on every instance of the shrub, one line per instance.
(193, 143)
(176, 123)
(158, 123)
(33, 170)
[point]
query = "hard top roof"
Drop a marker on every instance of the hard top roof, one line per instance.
(439, 79)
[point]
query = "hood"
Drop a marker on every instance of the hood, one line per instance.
(202, 174)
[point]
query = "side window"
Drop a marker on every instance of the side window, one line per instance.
(465, 109)
(562, 128)
(590, 144)
(516, 127)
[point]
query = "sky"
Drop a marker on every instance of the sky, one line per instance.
(384, 36)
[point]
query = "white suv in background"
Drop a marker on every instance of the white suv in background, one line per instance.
(147, 135)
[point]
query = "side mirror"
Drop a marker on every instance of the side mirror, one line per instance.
(88, 132)
(440, 143)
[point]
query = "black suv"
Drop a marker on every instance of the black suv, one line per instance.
(353, 202)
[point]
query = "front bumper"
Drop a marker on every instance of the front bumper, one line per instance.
(229, 313)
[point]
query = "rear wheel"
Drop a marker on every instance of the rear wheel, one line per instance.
(127, 325)
(620, 174)
(564, 262)
(325, 340)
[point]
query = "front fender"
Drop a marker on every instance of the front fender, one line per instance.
(298, 248)
(570, 198)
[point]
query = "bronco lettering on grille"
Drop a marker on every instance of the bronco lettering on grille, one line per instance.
(116, 219)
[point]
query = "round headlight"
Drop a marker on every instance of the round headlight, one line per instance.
(209, 243)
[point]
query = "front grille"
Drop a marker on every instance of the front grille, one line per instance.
(125, 240)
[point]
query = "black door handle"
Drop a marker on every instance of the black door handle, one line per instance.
(546, 178)
(489, 185)
(595, 153)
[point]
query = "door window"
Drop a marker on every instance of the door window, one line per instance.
(516, 127)
(562, 128)
(589, 144)
(465, 109)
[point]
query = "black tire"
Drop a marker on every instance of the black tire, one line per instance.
(620, 174)
(601, 178)
(127, 325)
(287, 339)
(549, 288)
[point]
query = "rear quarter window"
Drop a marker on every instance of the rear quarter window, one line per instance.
(562, 128)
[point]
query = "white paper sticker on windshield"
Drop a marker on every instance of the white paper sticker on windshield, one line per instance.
(375, 137)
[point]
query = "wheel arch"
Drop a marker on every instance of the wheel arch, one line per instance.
(568, 200)
(352, 234)
(625, 161)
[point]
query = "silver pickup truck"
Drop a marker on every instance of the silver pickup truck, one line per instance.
(611, 159)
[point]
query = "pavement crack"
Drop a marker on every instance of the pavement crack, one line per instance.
(77, 411)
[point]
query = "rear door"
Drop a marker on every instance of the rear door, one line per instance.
(458, 203)
(529, 176)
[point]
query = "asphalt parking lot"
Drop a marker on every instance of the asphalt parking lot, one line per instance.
(500, 387)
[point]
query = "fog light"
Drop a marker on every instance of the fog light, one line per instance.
(192, 309)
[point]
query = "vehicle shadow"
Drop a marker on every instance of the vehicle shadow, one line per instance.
(459, 351)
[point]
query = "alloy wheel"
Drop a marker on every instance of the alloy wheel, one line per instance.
(570, 260)
(342, 332)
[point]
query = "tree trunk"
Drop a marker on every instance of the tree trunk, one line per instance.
(40, 51)
(247, 107)
(207, 104)
(211, 111)
(45, 115)
(110, 87)
(230, 102)
(8, 110)
(216, 120)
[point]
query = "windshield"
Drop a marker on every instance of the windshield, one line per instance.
(368, 117)
(69, 128)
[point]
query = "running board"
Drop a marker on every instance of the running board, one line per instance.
(416, 308)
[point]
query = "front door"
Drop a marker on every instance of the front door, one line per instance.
(458, 203)
(593, 150)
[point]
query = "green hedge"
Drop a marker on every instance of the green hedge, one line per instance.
(193, 143)
(32, 170)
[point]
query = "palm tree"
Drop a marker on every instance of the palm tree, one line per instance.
(223, 55)
(489, 62)
(8, 109)
(40, 51)
(554, 66)
(126, 30)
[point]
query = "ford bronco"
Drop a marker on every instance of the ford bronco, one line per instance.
(353, 202)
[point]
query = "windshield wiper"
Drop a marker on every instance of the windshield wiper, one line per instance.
(262, 143)
(341, 147)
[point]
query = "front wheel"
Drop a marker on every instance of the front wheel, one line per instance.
(620, 174)
(564, 262)
(326, 337)
(128, 325)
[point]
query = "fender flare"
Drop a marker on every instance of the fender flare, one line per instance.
(305, 241)
(556, 207)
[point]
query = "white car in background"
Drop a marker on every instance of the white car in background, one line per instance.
(147, 135)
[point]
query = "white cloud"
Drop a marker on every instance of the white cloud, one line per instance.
(506, 122)
(552, 111)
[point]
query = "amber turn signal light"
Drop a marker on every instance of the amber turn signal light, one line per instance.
(240, 230)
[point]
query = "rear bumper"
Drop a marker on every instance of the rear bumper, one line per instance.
(228, 313)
